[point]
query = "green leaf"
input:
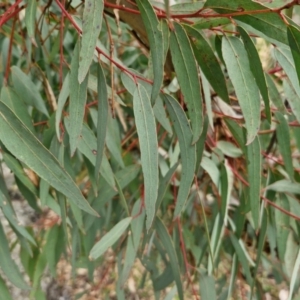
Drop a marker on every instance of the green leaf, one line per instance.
(91, 27)
(109, 238)
(103, 111)
(254, 165)
(62, 98)
(208, 63)
(5, 294)
(229, 149)
(186, 7)
(294, 37)
(284, 143)
(170, 249)
(8, 266)
(77, 100)
(200, 145)
(27, 90)
(207, 287)
(239, 71)
(156, 42)
(295, 276)
(187, 74)
(188, 151)
(285, 186)
(30, 15)
(210, 167)
(20, 141)
(207, 23)
(146, 129)
(282, 222)
(256, 68)
(292, 97)
(17, 105)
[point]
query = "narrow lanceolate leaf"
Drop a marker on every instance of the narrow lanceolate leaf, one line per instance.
(246, 89)
(188, 151)
(30, 15)
(256, 68)
(8, 266)
(207, 288)
(156, 41)
(146, 129)
(102, 118)
(284, 142)
(77, 100)
(294, 276)
(109, 238)
(208, 63)
(187, 74)
(254, 179)
(294, 40)
(20, 141)
(170, 249)
(91, 27)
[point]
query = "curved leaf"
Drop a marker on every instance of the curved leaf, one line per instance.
(77, 100)
(187, 74)
(156, 42)
(208, 63)
(256, 68)
(188, 151)
(109, 238)
(146, 129)
(20, 141)
(294, 41)
(91, 27)
(238, 66)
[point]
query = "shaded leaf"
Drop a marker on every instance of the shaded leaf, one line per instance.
(19, 140)
(146, 129)
(238, 66)
(285, 186)
(208, 63)
(187, 74)
(30, 15)
(188, 151)
(109, 238)
(294, 41)
(91, 27)
(207, 287)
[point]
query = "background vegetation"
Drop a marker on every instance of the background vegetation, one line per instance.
(158, 144)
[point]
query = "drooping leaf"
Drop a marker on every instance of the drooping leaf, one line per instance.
(188, 151)
(170, 249)
(208, 63)
(238, 66)
(109, 238)
(30, 15)
(26, 89)
(256, 68)
(103, 109)
(207, 287)
(20, 141)
(254, 177)
(284, 143)
(91, 27)
(187, 74)
(8, 266)
(5, 293)
(292, 97)
(285, 186)
(294, 276)
(62, 98)
(146, 129)
(294, 41)
(210, 167)
(156, 42)
(200, 145)
(77, 100)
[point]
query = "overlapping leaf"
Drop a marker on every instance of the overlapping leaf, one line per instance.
(146, 129)
(238, 66)
(20, 141)
(187, 74)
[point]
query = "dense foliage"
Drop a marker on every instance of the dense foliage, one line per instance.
(164, 134)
